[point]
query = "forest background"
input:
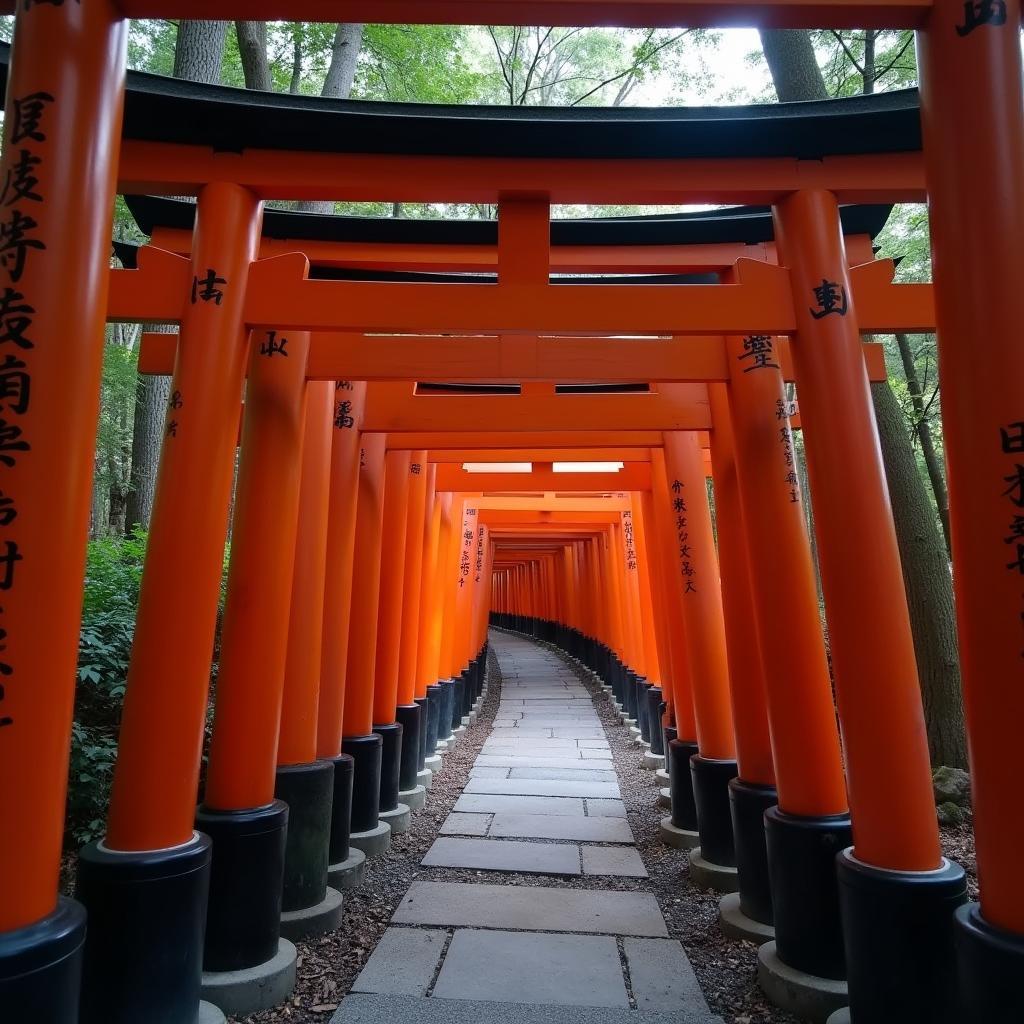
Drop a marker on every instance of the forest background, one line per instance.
(512, 66)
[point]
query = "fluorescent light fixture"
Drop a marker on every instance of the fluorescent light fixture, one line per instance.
(498, 467)
(588, 467)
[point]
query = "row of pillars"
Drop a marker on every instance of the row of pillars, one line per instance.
(64, 101)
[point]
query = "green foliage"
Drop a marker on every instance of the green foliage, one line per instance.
(855, 62)
(112, 577)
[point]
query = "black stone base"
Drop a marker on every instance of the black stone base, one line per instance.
(341, 807)
(805, 890)
(643, 709)
(684, 807)
(421, 753)
(390, 764)
(308, 790)
(668, 734)
(444, 723)
(898, 931)
(41, 967)
(408, 717)
(714, 821)
(747, 803)
(990, 968)
(144, 946)
(458, 695)
(243, 913)
(435, 703)
(629, 694)
(655, 709)
(365, 752)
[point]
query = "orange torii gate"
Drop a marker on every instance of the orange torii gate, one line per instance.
(65, 98)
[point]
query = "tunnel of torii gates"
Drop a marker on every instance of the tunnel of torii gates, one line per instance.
(365, 562)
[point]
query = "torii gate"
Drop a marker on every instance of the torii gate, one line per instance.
(64, 93)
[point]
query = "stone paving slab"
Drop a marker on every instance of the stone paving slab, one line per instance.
(592, 754)
(404, 962)
(504, 855)
(486, 803)
(623, 861)
(531, 908)
(558, 970)
(588, 774)
(459, 823)
(558, 826)
(605, 808)
(486, 772)
(525, 743)
(542, 787)
(363, 1008)
(566, 759)
(591, 743)
(661, 976)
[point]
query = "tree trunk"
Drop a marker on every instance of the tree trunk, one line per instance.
(794, 68)
(348, 39)
(926, 575)
(199, 51)
(924, 432)
(198, 55)
(252, 47)
(928, 583)
(152, 393)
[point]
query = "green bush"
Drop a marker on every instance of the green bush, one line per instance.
(113, 572)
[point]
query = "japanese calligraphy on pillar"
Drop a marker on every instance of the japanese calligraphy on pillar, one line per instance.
(27, 124)
(680, 513)
(760, 350)
(465, 555)
(343, 418)
(629, 537)
(982, 12)
(479, 553)
(1012, 443)
(783, 411)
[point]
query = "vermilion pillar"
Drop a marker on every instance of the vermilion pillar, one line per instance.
(349, 405)
(304, 783)
(63, 118)
(389, 639)
(360, 741)
(695, 565)
(973, 122)
(421, 481)
(753, 792)
(811, 820)
(239, 812)
(873, 661)
(156, 777)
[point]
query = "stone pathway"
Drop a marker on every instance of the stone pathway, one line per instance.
(542, 799)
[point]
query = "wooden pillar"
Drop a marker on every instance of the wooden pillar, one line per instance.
(873, 660)
(61, 143)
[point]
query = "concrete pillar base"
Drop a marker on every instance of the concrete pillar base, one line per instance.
(706, 874)
(210, 1014)
(738, 925)
(642, 744)
(804, 995)
(629, 723)
(680, 838)
(255, 988)
(634, 730)
(665, 798)
(425, 778)
(399, 819)
(652, 762)
(414, 799)
(374, 841)
(449, 744)
(458, 731)
(662, 776)
(433, 763)
(840, 1016)
(349, 873)
(320, 919)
